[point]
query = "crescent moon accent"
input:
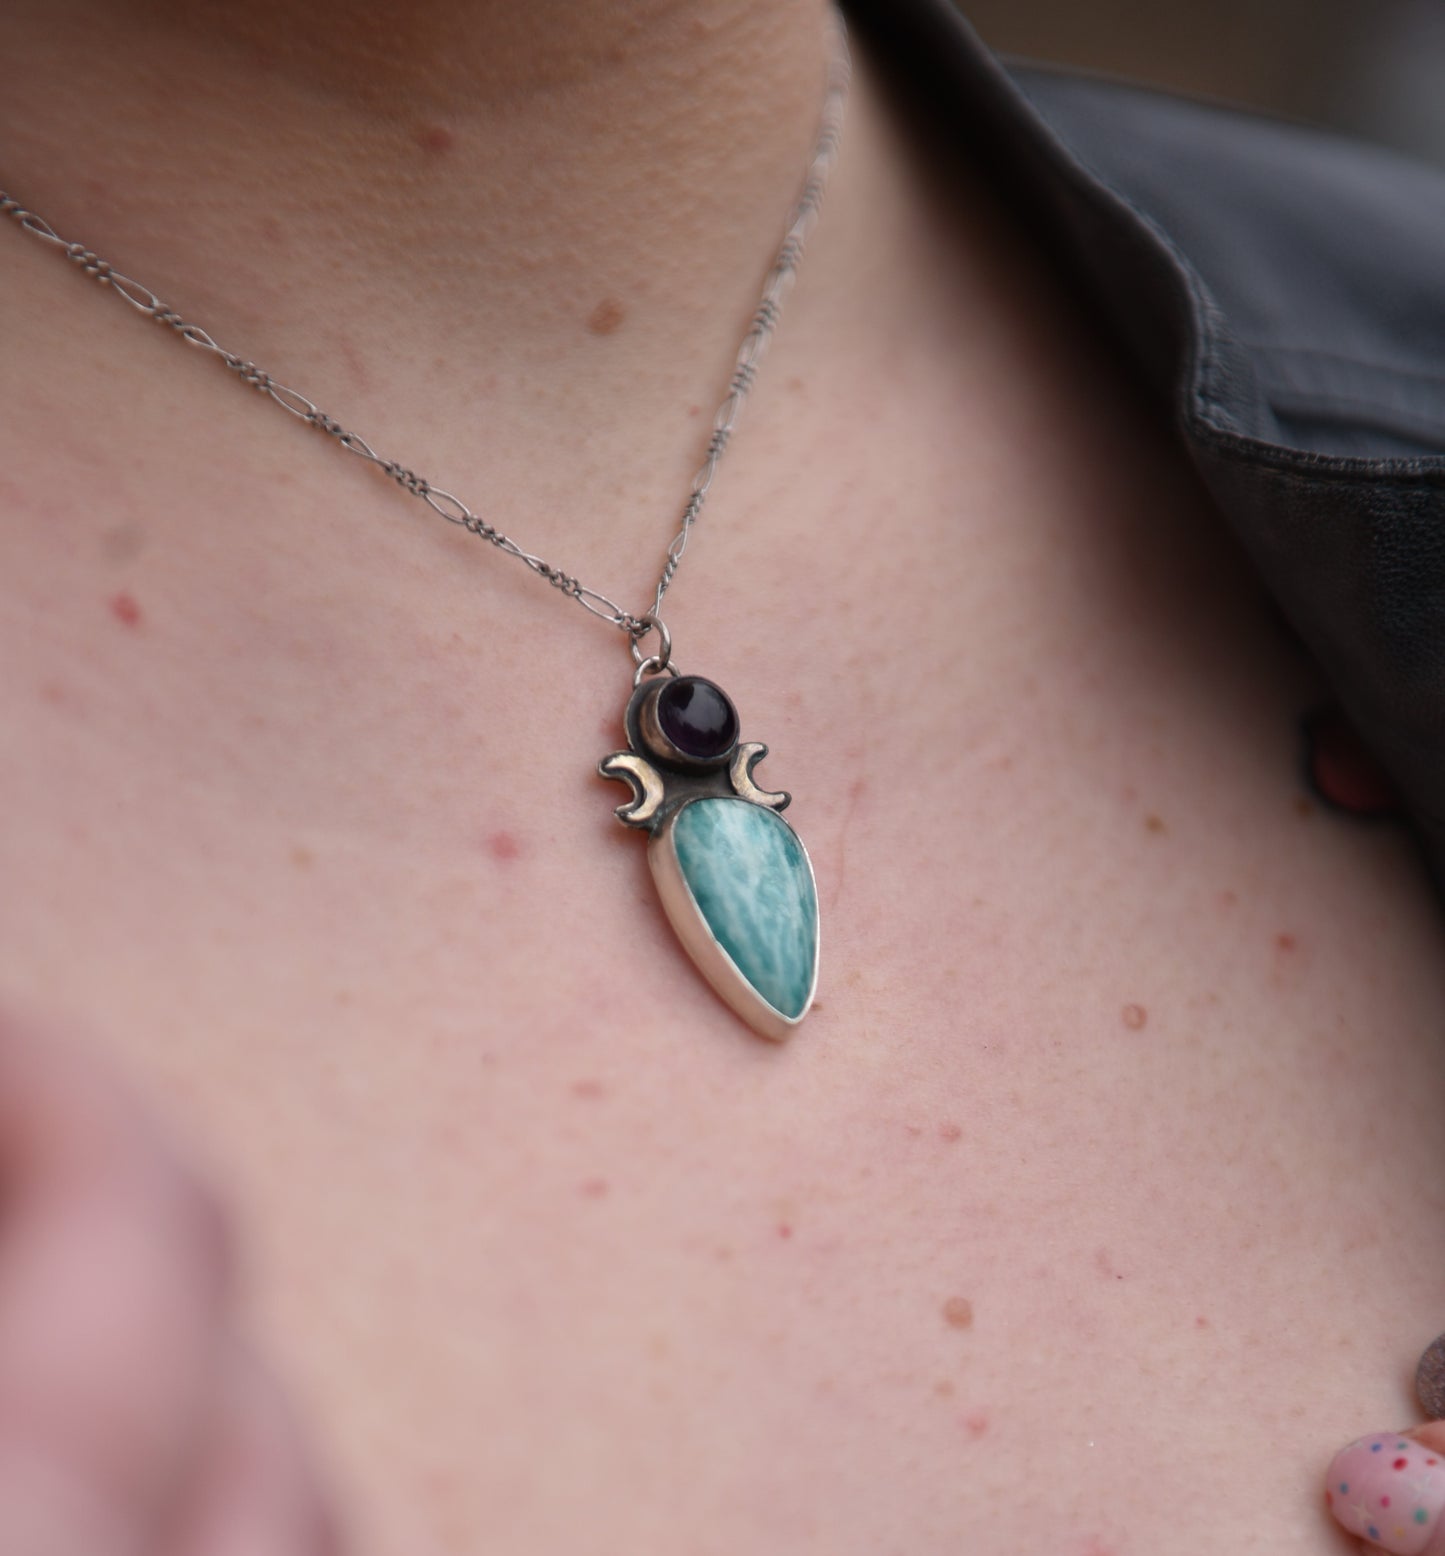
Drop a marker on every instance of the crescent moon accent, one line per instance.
(647, 786)
(740, 774)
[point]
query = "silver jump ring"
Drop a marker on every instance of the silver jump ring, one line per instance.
(652, 622)
(652, 665)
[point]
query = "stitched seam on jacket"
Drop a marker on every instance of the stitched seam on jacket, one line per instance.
(1322, 469)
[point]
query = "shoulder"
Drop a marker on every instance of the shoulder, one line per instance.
(1280, 290)
(1303, 274)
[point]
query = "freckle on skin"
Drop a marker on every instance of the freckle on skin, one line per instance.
(606, 318)
(435, 138)
(943, 1388)
(949, 1132)
(958, 1313)
(1303, 805)
(1201, 1322)
(502, 845)
(1134, 1017)
(594, 1188)
(1285, 941)
(977, 1424)
(588, 1090)
(1229, 899)
(1155, 824)
(125, 610)
(302, 857)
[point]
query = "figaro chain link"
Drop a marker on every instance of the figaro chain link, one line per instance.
(452, 508)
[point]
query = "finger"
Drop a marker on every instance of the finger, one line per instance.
(1389, 1489)
(112, 1281)
(257, 1492)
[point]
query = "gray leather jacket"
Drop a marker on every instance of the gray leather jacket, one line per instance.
(1281, 290)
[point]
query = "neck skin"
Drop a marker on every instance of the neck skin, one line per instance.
(516, 176)
(515, 247)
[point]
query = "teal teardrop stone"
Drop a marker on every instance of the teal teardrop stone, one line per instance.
(752, 882)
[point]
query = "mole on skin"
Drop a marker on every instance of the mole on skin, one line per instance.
(502, 845)
(958, 1313)
(435, 138)
(1134, 1017)
(125, 610)
(606, 317)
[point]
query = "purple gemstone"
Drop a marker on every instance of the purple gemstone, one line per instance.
(697, 717)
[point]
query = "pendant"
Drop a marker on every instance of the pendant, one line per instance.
(735, 881)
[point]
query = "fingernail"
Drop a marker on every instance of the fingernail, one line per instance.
(1389, 1490)
(45, 1513)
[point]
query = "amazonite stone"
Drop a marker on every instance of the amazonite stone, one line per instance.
(751, 880)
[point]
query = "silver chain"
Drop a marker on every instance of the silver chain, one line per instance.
(750, 352)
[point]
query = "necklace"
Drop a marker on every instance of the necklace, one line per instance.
(734, 878)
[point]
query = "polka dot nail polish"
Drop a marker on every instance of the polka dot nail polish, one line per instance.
(1389, 1490)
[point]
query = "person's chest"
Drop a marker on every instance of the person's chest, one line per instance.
(1104, 1167)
